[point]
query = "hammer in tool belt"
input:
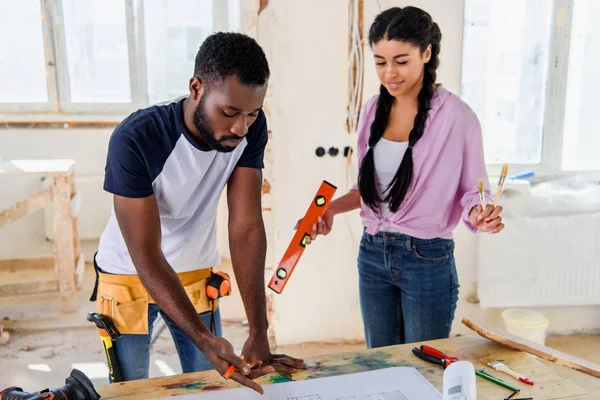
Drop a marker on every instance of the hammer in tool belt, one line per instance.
(108, 333)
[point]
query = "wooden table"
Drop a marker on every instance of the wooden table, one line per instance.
(551, 381)
(68, 261)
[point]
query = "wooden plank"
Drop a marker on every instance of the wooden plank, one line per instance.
(536, 349)
(79, 270)
(549, 384)
(63, 242)
(13, 264)
(76, 242)
(29, 287)
(25, 207)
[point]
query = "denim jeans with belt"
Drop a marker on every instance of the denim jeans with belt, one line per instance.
(408, 288)
(133, 351)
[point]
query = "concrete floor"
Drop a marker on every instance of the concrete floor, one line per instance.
(45, 344)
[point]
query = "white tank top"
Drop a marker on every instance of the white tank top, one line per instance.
(388, 156)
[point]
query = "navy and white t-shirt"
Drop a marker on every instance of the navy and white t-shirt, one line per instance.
(152, 153)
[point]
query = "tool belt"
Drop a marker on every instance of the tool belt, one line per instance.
(124, 298)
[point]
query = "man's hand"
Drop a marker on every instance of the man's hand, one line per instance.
(221, 355)
(488, 220)
(258, 355)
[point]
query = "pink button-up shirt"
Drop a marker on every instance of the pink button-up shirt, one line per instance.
(448, 161)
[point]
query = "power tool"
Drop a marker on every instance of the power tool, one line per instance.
(77, 387)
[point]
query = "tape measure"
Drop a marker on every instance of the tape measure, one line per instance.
(218, 286)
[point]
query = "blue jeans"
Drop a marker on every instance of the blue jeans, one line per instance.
(408, 288)
(133, 351)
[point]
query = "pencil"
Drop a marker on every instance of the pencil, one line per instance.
(501, 183)
(497, 381)
(231, 370)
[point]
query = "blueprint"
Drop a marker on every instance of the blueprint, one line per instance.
(397, 383)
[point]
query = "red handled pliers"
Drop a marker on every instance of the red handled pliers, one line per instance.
(428, 353)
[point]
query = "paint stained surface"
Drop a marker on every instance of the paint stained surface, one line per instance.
(186, 386)
(322, 368)
(210, 385)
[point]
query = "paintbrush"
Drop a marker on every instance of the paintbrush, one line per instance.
(501, 183)
(498, 366)
(481, 193)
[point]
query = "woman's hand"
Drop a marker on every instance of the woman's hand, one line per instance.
(322, 227)
(488, 220)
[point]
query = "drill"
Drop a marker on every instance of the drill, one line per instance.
(77, 387)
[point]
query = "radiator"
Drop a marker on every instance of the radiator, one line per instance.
(543, 260)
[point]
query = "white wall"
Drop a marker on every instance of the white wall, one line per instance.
(306, 43)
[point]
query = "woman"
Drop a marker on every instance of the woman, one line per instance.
(421, 156)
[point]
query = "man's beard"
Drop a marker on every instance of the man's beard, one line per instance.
(207, 134)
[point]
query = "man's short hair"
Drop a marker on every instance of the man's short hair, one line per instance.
(224, 54)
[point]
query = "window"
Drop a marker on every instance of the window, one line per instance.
(22, 62)
(528, 73)
(581, 132)
(172, 36)
(505, 68)
(96, 51)
(109, 56)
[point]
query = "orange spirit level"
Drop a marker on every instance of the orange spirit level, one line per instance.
(292, 255)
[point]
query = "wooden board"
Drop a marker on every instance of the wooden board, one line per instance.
(76, 242)
(28, 287)
(46, 167)
(550, 382)
(64, 239)
(13, 264)
(527, 346)
(25, 207)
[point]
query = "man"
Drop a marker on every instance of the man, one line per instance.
(166, 167)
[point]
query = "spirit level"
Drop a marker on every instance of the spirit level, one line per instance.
(296, 247)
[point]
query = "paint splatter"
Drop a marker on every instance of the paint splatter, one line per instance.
(376, 360)
(281, 377)
(189, 385)
(212, 387)
(357, 363)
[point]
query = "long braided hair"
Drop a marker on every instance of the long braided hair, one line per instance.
(415, 26)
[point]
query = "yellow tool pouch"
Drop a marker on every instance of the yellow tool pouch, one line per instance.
(124, 299)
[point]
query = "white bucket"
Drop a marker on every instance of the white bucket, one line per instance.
(527, 324)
